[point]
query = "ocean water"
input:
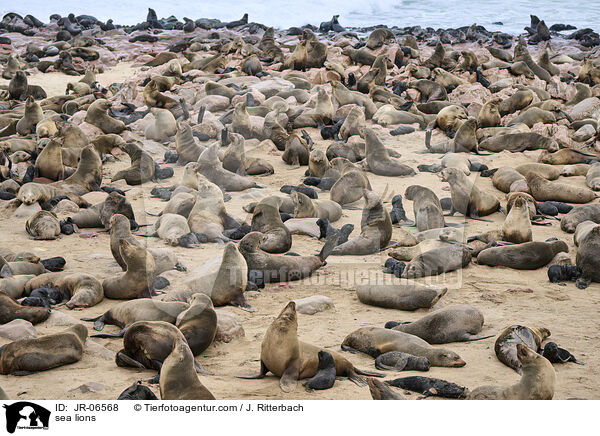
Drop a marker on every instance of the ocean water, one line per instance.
(514, 14)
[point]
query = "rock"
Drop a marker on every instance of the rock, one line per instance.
(96, 349)
(60, 319)
(95, 197)
(584, 133)
(24, 210)
(313, 304)
(65, 206)
(501, 84)
(18, 329)
(214, 103)
(88, 387)
(588, 108)
(10, 185)
(272, 86)
(229, 326)
(470, 93)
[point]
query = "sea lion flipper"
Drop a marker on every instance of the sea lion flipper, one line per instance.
(289, 378)
(118, 334)
(330, 244)
(350, 349)
(261, 374)
(22, 373)
(368, 373)
(200, 370)
(468, 337)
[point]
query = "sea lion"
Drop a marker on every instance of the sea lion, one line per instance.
(26, 356)
(14, 286)
(11, 310)
(489, 115)
(409, 296)
(544, 190)
(163, 127)
(397, 361)
(281, 268)
(349, 187)
(592, 178)
(529, 255)
(575, 170)
(544, 170)
(208, 214)
(187, 149)
(566, 156)
(587, 259)
(326, 372)
(232, 278)
(380, 391)
(137, 392)
(170, 227)
(519, 142)
(467, 198)
(582, 230)
(138, 280)
(43, 225)
(379, 160)
(210, 167)
(141, 309)
(579, 214)
(519, 100)
(537, 381)
(267, 220)
(235, 160)
(82, 290)
(517, 225)
(290, 359)
(429, 386)
(304, 207)
(49, 163)
(438, 261)
(460, 323)
(505, 177)
(426, 207)
(375, 229)
(33, 115)
(142, 167)
(375, 341)
(146, 344)
(178, 378)
(97, 114)
(506, 344)
(198, 323)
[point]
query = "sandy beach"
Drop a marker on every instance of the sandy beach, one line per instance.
(505, 296)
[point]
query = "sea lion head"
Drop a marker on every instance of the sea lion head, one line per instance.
(80, 330)
(288, 315)
(449, 175)
(119, 223)
(449, 359)
(251, 242)
(561, 246)
(413, 270)
(410, 192)
(27, 194)
(526, 355)
(200, 299)
(326, 360)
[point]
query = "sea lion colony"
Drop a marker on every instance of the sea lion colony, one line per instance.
(227, 163)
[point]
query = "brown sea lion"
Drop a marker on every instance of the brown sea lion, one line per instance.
(566, 156)
(579, 214)
(232, 278)
(142, 167)
(460, 323)
(26, 356)
(379, 160)
(141, 309)
(97, 114)
(489, 115)
(592, 177)
(43, 225)
(519, 100)
(506, 344)
(544, 170)
(537, 382)
(292, 360)
(210, 167)
(82, 290)
(281, 268)
(517, 225)
(544, 190)
(178, 378)
(375, 341)
(519, 142)
(409, 296)
(198, 323)
(186, 146)
(349, 187)
(375, 229)
(426, 207)
(587, 258)
(138, 280)
(467, 198)
(11, 310)
(33, 115)
(438, 261)
(266, 219)
(305, 207)
(529, 255)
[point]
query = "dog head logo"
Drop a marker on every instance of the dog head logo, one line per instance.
(26, 415)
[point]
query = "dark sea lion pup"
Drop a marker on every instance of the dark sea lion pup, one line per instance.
(290, 359)
(429, 386)
(380, 391)
(137, 391)
(554, 354)
(325, 377)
